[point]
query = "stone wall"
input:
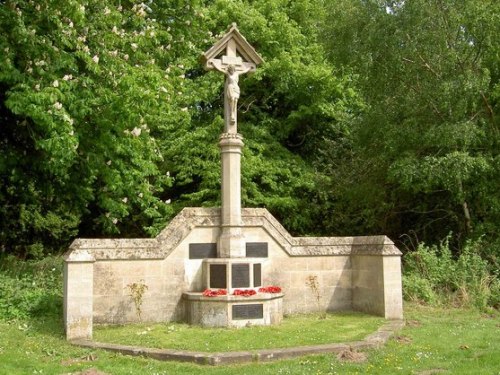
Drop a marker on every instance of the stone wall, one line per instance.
(360, 273)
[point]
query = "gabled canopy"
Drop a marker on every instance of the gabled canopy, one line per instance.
(243, 48)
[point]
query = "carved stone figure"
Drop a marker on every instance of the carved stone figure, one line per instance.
(232, 89)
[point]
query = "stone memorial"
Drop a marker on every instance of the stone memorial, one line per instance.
(227, 266)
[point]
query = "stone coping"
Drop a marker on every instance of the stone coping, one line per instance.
(372, 341)
(198, 217)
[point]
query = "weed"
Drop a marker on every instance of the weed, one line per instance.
(136, 292)
(313, 284)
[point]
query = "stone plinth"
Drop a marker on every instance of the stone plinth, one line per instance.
(234, 311)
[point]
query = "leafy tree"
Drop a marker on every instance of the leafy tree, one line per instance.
(109, 125)
(84, 93)
(428, 139)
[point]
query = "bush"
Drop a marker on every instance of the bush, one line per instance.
(418, 289)
(30, 288)
(433, 275)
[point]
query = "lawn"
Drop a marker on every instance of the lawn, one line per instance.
(435, 340)
(296, 330)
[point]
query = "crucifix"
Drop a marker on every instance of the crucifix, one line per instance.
(233, 56)
(232, 66)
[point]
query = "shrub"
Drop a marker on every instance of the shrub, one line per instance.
(432, 274)
(30, 288)
(418, 289)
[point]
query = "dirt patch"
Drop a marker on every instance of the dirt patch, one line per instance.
(432, 371)
(352, 356)
(90, 371)
(403, 339)
(413, 323)
(72, 361)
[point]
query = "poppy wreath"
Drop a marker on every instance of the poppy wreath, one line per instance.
(244, 292)
(214, 292)
(270, 289)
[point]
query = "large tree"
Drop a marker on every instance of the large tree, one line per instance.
(109, 125)
(427, 143)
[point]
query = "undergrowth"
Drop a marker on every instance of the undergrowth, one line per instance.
(433, 275)
(30, 288)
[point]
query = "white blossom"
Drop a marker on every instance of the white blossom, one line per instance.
(163, 89)
(37, 87)
(67, 77)
(72, 133)
(184, 109)
(115, 221)
(55, 83)
(168, 201)
(136, 132)
(109, 162)
(70, 24)
(125, 57)
(141, 195)
(125, 200)
(58, 105)
(96, 59)
(134, 46)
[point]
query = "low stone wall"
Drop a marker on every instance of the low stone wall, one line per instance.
(360, 273)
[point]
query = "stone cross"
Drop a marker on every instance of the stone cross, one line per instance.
(233, 56)
(232, 65)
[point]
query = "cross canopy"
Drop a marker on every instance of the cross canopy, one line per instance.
(238, 52)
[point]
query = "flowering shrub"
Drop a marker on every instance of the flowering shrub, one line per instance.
(244, 292)
(214, 293)
(270, 289)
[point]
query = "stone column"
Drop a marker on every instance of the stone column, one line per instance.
(78, 294)
(231, 241)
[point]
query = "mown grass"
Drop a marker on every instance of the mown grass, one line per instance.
(453, 341)
(296, 330)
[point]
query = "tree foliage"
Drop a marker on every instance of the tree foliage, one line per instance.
(427, 142)
(366, 117)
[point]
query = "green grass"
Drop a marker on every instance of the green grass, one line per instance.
(457, 341)
(296, 330)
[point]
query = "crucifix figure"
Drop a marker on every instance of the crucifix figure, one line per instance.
(232, 89)
(233, 56)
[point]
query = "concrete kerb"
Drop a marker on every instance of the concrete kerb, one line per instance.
(372, 341)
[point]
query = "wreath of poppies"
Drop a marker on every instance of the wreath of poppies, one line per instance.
(214, 292)
(241, 292)
(270, 289)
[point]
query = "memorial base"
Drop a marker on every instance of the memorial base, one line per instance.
(233, 311)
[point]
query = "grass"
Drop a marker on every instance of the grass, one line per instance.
(296, 330)
(453, 341)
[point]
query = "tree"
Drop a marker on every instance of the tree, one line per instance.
(84, 93)
(109, 126)
(427, 143)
